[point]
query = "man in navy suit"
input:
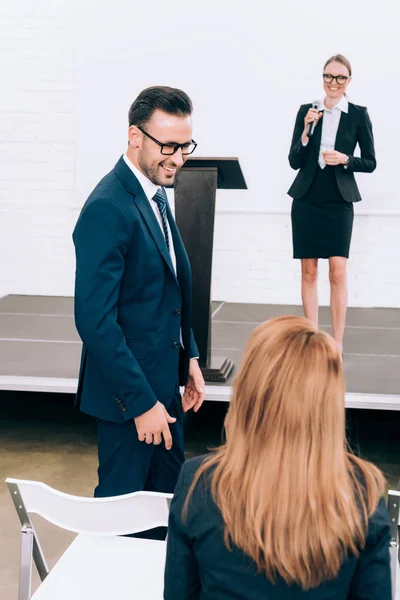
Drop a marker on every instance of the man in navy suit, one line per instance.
(133, 304)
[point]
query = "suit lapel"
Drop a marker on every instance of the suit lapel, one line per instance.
(342, 130)
(317, 135)
(182, 260)
(147, 212)
(132, 185)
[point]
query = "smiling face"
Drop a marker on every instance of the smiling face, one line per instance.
(146, 153)
(336, 88)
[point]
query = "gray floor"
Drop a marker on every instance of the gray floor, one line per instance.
(43, 437)
(38, 339)
(371, 342)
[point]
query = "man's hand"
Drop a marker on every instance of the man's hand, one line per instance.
(152, 426)
(333, 157)
(194, 389)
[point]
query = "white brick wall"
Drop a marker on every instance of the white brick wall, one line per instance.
(253, 260)
(39, 148)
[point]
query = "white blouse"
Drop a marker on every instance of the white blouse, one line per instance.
(330, 126)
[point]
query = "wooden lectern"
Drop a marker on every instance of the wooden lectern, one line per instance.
(195, 191)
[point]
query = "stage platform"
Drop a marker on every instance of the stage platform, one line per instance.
(40, 347)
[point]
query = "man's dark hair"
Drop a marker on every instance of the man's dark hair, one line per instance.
(170, 100)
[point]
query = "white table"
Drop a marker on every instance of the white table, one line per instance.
(105, 568)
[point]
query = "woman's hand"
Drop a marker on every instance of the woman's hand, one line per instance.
(333, 157)
(312, 116)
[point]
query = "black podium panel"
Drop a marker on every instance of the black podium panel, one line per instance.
(195, 194)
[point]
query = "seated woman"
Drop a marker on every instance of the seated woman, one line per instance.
(281, 510)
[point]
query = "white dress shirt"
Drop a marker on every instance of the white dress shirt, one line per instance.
(330, 126)
(150, 190)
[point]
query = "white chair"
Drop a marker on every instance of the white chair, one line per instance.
(97, 551)
(394, 515)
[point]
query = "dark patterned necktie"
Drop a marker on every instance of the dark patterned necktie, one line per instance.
(160, 198)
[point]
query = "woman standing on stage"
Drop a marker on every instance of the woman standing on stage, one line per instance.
(324, 139)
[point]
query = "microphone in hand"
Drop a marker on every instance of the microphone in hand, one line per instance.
(313, 122)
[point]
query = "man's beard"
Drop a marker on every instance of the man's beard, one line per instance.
(151, 173)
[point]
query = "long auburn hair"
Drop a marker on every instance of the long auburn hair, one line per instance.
(291, 495)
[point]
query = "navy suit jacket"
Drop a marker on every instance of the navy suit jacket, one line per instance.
(130, 307)
(355, 127)
(200, 566)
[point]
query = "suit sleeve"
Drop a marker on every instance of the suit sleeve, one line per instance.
(298, 153)
(101, 237)
(194, 351)
(367, 162)
(372, 578)
(181, 578)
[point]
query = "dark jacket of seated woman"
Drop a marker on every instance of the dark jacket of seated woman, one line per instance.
(281, 510)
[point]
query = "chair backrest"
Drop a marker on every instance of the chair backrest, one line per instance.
(117, 515)
(394, 516)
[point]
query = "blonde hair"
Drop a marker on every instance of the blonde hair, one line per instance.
(340, 59)
(291, 496)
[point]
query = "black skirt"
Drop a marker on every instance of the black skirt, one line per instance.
(322, 222)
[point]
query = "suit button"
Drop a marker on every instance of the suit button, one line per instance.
(176, 312)
(176, 344)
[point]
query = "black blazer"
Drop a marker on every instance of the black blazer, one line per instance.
(130, 307)
(355, 127)
(199, 566)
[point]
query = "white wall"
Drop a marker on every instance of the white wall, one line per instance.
(247, 70)
(37, 146)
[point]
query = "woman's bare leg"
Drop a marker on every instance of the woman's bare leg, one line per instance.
(309, 288)
(339, 297)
